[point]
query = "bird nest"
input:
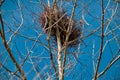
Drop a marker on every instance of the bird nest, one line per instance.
(52, 20)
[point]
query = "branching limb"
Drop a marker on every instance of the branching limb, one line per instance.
(101, 44)
(67, 36)
(52, 59)
(9, 70)
(109, 65)
(22, 20)
(2, 33)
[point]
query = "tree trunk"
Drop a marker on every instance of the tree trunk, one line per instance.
(60, 70)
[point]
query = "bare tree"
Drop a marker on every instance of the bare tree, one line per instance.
(59, 39)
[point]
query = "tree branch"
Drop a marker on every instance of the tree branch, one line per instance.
(109, 65)
(67, 36)
(9, 70)
(8, 48)
(101, 44)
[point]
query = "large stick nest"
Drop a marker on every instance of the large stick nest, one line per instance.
(49, 24)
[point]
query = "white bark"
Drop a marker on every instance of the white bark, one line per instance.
(59, 56)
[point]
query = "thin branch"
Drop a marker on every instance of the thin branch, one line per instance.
(67, 36)
(32, 39)
(9, 70)
(109, 65)
(48, 3)
(55, 22)
(2, 32)
(52, 59)
(22, 20)
(101, 44)
(110, 19)
(49, 45)
(8, 48)
(93, 52)
(28, 54)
